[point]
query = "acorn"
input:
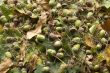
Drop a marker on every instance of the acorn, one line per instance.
(51, 52)
(92, 29)
(67, 12)
(48, 63)
(8, 54)
(58, 5)
(98, 46)
(54, 12)
(102, 33)
(104, 40)
(59, 29)
(60, 55)
(20, 5)
(78, 23)
(52, 3)
(11, 16)
(3, 19)
(40, 37)
(76, 39)
(76, 47)
(16, 46)
(89, 14)
(34, 5)
(88, 52)
(35, 10)
(45, 69)
(97, 67)
(7, 25)
(45, 30)
(26, 27)
(57, 23)
(57, 44)
(29, 6)
(29, 13)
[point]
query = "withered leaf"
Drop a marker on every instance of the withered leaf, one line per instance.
(32, 63)
(22, 51)
(106, 54)
(89, 41)
(5, 65)
(106, 25)
(42, 20)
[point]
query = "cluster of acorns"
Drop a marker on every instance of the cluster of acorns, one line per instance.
(68, 38)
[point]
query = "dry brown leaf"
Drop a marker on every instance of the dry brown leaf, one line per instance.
(89, 41)
(106, 25)
(106, 54)
(32, 63)
(99, 27)
(22, 51)
(5, 65)
(42, 20)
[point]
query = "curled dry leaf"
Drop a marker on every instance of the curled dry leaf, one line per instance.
(5, 65)
(89, 41)
(42, 20)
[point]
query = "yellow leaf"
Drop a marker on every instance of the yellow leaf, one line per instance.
(89, 41)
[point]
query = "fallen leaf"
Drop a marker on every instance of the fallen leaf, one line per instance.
(22, 51)
(106, 54)
(89, 41)
(42, 20)
(5, 65)
(32, 63)
(106, 25)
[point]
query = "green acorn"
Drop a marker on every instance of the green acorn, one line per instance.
(89, 14)
(97, 67)
(8, 54)
(40, 37)
(51, 52)
(92, 29)
(88, 52)
(59, 29)
(60, 55)
(76, 47)
(45, 69)
(26, 27)
(78, 23)
(52, 2)
(3, 19)
(104, 40)
(102, 33)
(76, 39)
(57, 44)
